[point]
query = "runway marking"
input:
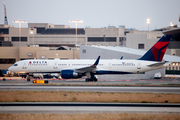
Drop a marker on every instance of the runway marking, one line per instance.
(101, 80)
(90, 83)
(112, 80)
(128, 80)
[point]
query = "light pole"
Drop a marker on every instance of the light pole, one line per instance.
(32, 32)
(104, 39)
(148, 22)
(76, 21)
(20, 21)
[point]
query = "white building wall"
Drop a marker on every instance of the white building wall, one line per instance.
(57, 39)
(46, 25)
(107, 32)
(14, 32)
(146, 38)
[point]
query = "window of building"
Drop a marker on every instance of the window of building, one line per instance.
(4, 30)
(1, 38)
(101, 39)
(40, 29)
(23, 38)
(68, 31)
(7, 61)
(122, 39)
(140, 46)
(84, 51)
(126, 32)
(17, 39)
(5, 43)
(169, 68)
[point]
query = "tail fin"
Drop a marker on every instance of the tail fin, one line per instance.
(158, 50)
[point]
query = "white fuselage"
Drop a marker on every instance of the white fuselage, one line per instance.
(107, 66)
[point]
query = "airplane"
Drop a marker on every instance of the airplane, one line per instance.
(72, 69)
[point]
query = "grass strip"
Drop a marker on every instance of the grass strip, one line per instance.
(73, 96)
(91, 116)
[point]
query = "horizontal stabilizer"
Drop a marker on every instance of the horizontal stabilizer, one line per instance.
(157, 64)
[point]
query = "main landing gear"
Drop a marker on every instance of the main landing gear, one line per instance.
(91, 78)
(28, 78)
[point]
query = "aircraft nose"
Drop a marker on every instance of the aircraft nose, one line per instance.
(10, 68)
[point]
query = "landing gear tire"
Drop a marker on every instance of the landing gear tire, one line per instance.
(87, 80)
(46, 81)
(28, 79)
(91, 80)
(94, 79)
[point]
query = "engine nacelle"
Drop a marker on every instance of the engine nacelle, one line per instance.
(68, 74)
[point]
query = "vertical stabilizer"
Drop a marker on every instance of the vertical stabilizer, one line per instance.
(157, 51)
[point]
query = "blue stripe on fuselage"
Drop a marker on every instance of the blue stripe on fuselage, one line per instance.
(111, 72)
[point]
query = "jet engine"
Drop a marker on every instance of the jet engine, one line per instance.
(69, 74)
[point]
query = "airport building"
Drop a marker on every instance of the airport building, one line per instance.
(50, 35)
(49, 41)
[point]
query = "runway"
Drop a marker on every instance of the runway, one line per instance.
(94, 89)
(135, 82)
(87, 107)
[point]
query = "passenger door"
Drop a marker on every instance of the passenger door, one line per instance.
(138, 65)
(24, 65)
(55, 65)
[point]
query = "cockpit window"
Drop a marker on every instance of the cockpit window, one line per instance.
(15, 65)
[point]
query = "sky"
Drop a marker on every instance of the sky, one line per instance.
(94, 13)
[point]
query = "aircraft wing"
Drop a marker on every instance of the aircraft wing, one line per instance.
(88, 68)
(157, 64)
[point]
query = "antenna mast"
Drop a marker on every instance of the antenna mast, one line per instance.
(5, 16)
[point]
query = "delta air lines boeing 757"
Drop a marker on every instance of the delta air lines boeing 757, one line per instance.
(69, 69)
